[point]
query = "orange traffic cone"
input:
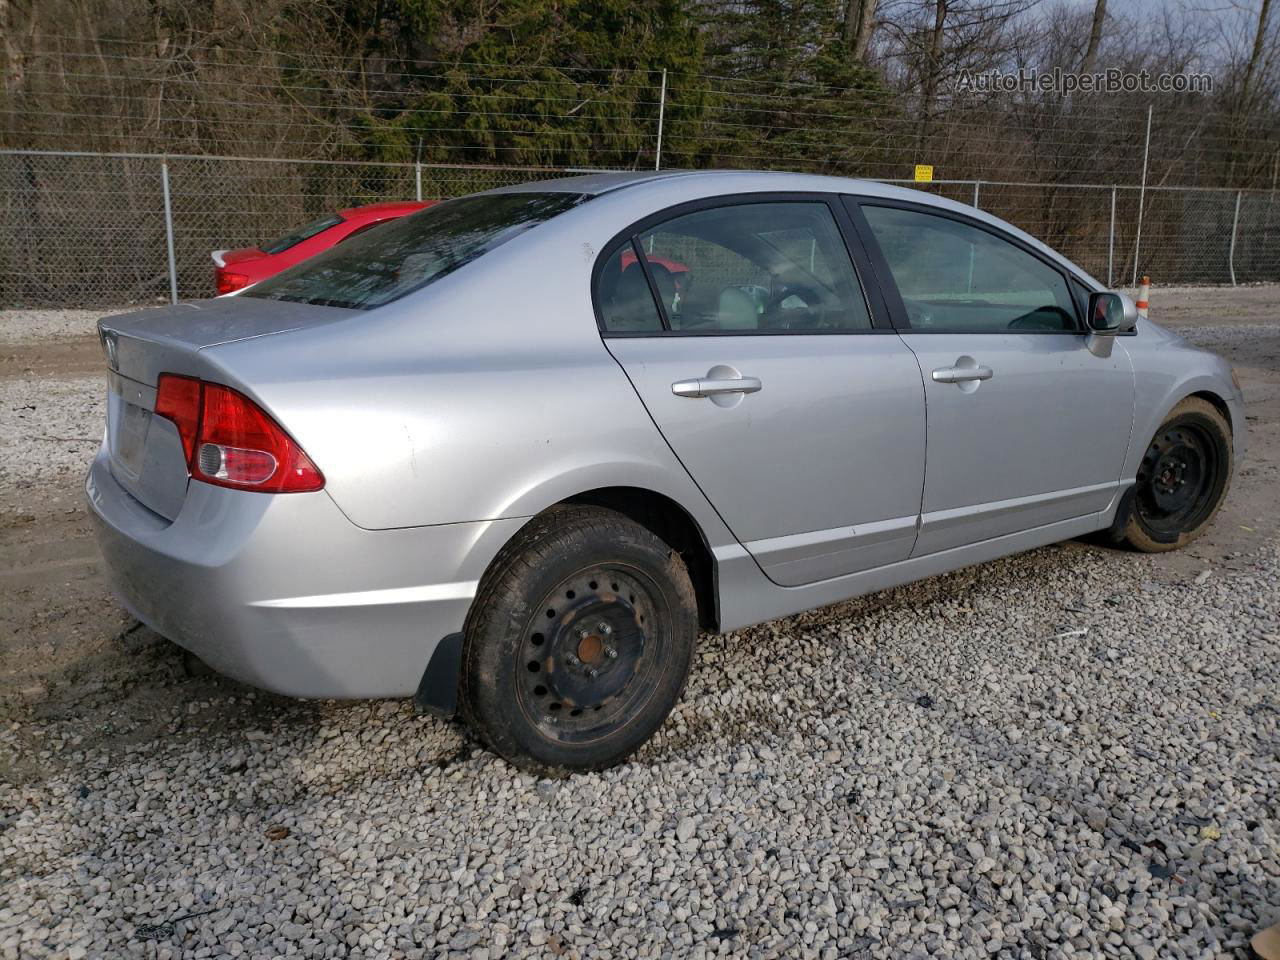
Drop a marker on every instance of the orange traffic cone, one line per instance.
(1144, 293)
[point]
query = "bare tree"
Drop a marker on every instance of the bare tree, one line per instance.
(1095, 37)
(859, 21)
(1255, 56)
(931, 42)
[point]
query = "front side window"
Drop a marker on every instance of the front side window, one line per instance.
(956, 278)
(383, 265)
(749, 268)
(298, 234)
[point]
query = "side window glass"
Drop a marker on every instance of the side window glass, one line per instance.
(755, 268)
(955, 278)
(626, 304)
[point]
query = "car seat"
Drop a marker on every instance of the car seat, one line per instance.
(737, 310)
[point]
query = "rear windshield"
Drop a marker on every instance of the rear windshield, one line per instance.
(297, 235)
(409, 253)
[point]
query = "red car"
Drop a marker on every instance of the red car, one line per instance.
(236, 269)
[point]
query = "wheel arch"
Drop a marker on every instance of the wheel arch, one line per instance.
(1158, 395)
(1219, 403)
(1113, 532)
(671, 522)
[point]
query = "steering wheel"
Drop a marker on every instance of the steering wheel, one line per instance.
(814, 313)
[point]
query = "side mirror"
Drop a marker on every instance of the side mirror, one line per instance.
(1111, 313)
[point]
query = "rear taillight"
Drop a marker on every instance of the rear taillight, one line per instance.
(227, 282)
(178, 399)
(230, 441)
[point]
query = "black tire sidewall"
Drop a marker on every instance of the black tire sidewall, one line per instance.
(1203, 415)
(549, 551)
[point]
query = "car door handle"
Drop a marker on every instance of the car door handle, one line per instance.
(704, 387)
(962, 374)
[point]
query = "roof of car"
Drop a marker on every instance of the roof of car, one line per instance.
(602, 182)
(668, 185)
(731, 181)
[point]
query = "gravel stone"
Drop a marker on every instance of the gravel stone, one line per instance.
(49, 429)
(974, 829)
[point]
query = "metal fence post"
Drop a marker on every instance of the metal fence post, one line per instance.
(1231, 255)
(976, 185)
(662, 113)
(417, 181)
(1142, 195)
(1111, 238)
(168, 232)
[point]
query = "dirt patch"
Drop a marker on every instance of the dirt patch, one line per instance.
(66, 357)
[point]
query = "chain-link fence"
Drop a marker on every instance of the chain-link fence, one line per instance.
(81, 229)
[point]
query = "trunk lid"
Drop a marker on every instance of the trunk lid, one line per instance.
(146, 454)
(145, 344)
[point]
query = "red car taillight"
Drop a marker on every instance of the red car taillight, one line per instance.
(230, 441)
(178, 399)
(227, 282)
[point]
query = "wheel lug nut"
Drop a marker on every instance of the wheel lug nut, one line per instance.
(604, 628)
(593, 672)
(613, 654)
(573, 661)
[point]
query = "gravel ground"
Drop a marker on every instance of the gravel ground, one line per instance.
(1050, 756)
(49, 428)
(23, 326)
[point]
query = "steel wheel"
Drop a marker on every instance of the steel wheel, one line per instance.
(1177, 479)
(1182, 479)
(578, 642)
(587, 662)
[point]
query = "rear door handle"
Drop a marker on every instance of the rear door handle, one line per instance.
(704, 387)
(962, 374)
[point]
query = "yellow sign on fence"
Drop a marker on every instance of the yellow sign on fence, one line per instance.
(924, 173)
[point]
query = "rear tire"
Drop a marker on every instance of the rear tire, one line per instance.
(578, 643)
(1182, 480)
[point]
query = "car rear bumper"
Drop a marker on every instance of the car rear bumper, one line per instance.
(285, 593)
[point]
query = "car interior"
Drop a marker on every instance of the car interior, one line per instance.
(744, 272)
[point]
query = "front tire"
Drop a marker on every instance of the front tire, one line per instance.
(1182, 480)
(578, 643)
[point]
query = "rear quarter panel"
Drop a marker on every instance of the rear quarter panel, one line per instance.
(488, 395)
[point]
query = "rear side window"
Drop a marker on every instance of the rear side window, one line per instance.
(626, 303)
(296, 236)
(383, 265)
(956, 278)
(770, 267)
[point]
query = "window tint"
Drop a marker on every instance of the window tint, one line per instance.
(626, 303)
(296, 236)
(955, 278)
(381, 265)
(359, 231)
(756, 267)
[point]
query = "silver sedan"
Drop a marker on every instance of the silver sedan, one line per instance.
(508, 455)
